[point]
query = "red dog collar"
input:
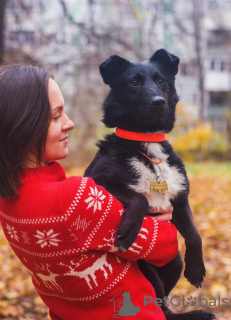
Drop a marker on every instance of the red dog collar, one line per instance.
(139, 136)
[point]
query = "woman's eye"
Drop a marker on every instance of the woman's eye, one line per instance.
(56, 118)
(134, 83)
(161, 81)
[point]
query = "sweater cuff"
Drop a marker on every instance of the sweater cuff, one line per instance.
(166, 246)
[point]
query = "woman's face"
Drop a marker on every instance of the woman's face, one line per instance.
(56, 142)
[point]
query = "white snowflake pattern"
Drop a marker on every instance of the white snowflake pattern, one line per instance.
(81, 224)
(47, 238)
(95, 199)
(12, 232)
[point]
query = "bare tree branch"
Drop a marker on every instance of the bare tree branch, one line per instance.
(92, 36)
(197, 21)
(85, 31)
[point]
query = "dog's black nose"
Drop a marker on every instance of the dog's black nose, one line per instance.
(158, 102)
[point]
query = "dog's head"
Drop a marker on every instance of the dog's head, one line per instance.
(143, 95)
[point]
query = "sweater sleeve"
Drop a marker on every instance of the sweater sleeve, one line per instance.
(94, 218)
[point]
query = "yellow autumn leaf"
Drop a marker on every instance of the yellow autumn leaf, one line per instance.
(218, 289)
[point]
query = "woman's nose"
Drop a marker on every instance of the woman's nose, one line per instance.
(68, 124)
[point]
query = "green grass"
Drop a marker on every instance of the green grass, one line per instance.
(209, 168)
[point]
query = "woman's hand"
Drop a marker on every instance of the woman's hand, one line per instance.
(164, 215)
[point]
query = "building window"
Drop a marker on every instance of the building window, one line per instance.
(187, 69)
(212, 65)
(194, 97)
(218, 65)
(22, 37)
(213, 4)
(218, 37)
(28, 3)
(218, 99)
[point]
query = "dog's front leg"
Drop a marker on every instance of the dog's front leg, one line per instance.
(136, 207)
(194, 265)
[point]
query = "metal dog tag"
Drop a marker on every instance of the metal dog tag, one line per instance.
(158, 186)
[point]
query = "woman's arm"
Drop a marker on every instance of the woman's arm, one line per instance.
(95, 216)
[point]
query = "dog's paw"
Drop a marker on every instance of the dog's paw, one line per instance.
(126, 236)
(131, 223)
(195, 273)
(124, 242)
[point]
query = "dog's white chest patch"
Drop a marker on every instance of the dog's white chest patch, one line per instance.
(175, 180)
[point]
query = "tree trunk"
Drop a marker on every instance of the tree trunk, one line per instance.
(2, 16)
(200, 48)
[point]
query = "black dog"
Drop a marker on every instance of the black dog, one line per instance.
(143, 100)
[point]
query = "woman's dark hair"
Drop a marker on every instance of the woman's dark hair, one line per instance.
(24, 121)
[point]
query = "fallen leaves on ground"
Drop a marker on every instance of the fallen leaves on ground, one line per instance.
(210, 203)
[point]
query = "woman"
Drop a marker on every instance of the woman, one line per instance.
(63, 229)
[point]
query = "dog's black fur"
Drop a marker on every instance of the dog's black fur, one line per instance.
(143, 98)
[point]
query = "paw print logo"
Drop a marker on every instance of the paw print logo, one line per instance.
(192, 301)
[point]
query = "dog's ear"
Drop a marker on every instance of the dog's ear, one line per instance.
(168, 60)
(112, 68)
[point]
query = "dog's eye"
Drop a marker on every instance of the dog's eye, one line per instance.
(161, 81)
(134, 83)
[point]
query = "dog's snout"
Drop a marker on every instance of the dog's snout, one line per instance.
(158, 102)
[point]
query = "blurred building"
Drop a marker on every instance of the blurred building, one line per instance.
(218, 63)
(216, 44)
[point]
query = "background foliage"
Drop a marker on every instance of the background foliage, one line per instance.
(197, 140)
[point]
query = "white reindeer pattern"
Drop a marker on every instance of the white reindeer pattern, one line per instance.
(89, 273)
(48, 280)
(135, 247)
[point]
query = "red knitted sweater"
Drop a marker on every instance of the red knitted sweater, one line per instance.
(63, 231)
